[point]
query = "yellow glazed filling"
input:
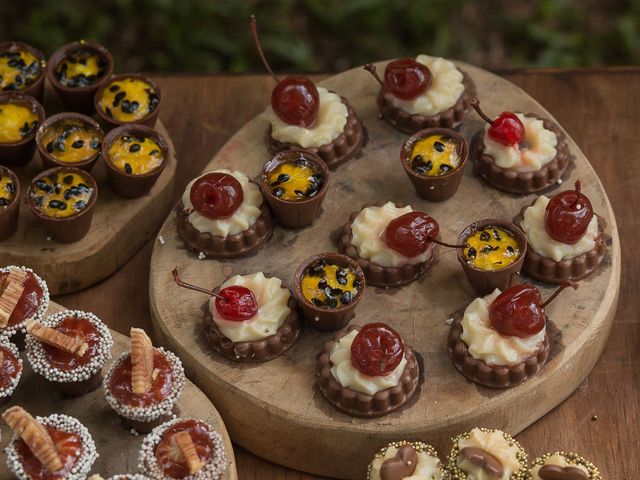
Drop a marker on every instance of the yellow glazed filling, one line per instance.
(72, 141)
(128, 100)
(16, 122)
(81, 68)
(61, 194)
(491, 249)
(435, 155)
(295, 180)
(18, 69)
(136, 155)
(329, 285)
(7, 190)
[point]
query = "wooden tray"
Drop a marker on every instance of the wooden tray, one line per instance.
(118, 448)
(274, 409)
(120, 227)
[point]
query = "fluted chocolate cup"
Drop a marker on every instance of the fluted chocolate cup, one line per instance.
(9, 215)
(294, 213)
(21, 152)
(486, 281)
(436, 188)
(36, 89)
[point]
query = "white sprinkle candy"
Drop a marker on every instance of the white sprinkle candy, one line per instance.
(559, 182)
(450, 321)
(202, 256)
(161, 240)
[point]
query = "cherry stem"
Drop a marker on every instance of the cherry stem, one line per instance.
(566, 284)
(578, 187)
(195, 288)
(475, 103)
(254, 31)
(450, 245)
(371, 68)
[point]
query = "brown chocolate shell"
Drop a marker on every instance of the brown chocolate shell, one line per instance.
(377, 275)
(258, 350)
(512, 181)
(345, 146)
(9, 215)
(411, 123)
(231, 246)
(20, 152)
(359, 404)
(492, 376)
(548, 270)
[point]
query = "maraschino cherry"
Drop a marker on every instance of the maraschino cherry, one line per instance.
(377, 349)
(506, 129)
(216, 195)
(568, 215)
(295, 100)
(235, 303)
(519, 310)
(405, 78)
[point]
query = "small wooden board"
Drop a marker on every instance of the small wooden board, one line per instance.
(274, 409)
(117, 446)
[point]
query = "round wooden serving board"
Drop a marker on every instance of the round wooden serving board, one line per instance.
(275, 410)
(117, 446)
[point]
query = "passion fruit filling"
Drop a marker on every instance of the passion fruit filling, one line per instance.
(69, 447)
(17, 122)
(295, 180)
(329, 285)
(9, 367)
(170, 458)
(61, 194)
(7, 190)
(81, 68)
(435, 155)
(136, 155)
(72, 141)
(492, 248)
(161, 388)
(129, 100)
(18, 69)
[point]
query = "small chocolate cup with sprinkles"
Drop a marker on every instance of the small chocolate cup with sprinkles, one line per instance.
(435, 188)
(36, 87)
(20, 152)
(9, 209)
(133, 185)
(302, 211)
(78, 96)
(65, 229)
(10, 370)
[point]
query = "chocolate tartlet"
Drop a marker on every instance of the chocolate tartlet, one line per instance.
(360, 404)
(10, 369)
(403, 459)
(563, 465)
(20, 116)
(22, 68)
(128, 98)
(9, 202)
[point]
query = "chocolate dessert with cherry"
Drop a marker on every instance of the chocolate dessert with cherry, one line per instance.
(562, 465)
(10, 369)
(406, 460)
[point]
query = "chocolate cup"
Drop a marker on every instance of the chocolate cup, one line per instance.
(435, 188)
(69, 229)
(126, 184)
(511, 181)
(297, 213)
(21, 152)
(325, 318)
(258, 350)
(36, 89)
(359, 404)
(452, 117)
(377, 275)
(78, 99)
(9, 215)
(146, 427)
(149, 120)
(486, 281)
(344, 147)
(77, 389)
(492, 376)
(548, 270)
(231, 246)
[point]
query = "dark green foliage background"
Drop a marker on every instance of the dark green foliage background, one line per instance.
(331, 35)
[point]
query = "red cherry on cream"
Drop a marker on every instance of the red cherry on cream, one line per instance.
(377, 350)
(216, 195)
(568, 215)
(506, 129)
(411, 233)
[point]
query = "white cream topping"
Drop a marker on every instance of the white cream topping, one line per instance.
(366, 231)
(350, 377)
(273, 309)
(538, 148)
(332, 117)
(427, 468)
(444, 91)
(245, 216)
(495, 444)
(559, 460)
(538, 238)
(487, 344)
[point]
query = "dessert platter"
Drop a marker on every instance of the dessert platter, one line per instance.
(407, 290)
(82, 201)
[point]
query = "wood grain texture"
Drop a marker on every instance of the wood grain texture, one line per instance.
(118, 448)
(281, 395)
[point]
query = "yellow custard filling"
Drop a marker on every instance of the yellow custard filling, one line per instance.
(81, 68)
(72, 141)
(18, 69)
(295, 180)
(61, 194)
(329, 285)
(435, 155)
(491, 249)
(129, 100)
(136, 155)
(7, 190)
(16, 122)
